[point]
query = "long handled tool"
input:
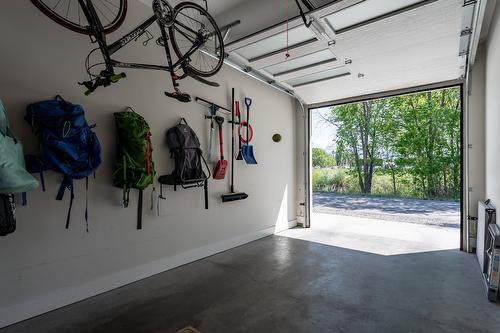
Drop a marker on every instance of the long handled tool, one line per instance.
(212, 139)
(221, 167)
(238, 114)
(233, 196)
(247, 149)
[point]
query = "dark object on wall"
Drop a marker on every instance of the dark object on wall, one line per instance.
(486, 216)
(238, 114)
(492, 262)
(277, 137)
(134, 166)
(7, 214)
(233, 196)
(221, 167)
(190, 165)
(69, 146)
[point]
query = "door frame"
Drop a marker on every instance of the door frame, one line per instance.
(464, 211)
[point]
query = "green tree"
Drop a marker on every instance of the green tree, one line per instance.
(414, 138)
(429, 141)
(360, 128)
(321, 159)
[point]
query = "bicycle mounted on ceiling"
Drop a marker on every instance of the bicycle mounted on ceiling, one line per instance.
(194, 36)
(309, 6)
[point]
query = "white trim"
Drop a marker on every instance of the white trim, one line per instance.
(477, 28)
(22, 311)
(289, 225)
(388, 93)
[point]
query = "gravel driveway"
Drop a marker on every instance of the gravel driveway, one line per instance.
(428, 212)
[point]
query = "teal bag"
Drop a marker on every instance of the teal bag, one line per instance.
(13, 175)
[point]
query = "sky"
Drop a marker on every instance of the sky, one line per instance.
(323, 133)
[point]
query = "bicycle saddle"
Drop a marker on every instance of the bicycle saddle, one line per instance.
(181, 97)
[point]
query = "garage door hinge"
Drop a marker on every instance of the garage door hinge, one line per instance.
(465, 32)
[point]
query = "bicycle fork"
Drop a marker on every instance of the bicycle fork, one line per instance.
(91, 15)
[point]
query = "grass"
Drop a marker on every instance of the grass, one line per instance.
(342, 180)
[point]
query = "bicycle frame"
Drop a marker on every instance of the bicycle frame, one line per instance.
(108, 51)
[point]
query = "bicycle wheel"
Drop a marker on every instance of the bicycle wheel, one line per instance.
(69, 14)
(192, 22)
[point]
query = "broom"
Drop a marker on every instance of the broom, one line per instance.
(233, 196)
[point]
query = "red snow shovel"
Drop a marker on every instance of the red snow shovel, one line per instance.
(221, 167)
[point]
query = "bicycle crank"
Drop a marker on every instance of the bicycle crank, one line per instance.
(163, 12)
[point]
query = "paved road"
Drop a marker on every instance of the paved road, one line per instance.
(428, 212)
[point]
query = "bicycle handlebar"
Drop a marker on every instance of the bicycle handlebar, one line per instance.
(102, 81)
(117, 77)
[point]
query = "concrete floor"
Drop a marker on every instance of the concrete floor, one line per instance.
(281, 284)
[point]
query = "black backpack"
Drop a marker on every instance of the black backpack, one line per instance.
(184, 147)
(189, 161)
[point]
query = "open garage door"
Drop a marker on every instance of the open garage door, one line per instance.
(387, 171)
(353, 48)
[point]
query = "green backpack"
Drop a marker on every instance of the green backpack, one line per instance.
(134, 166)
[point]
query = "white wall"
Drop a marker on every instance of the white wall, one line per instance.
(43, 266)
(492, 105)
(476, 128)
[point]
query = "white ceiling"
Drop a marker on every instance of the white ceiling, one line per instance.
(413, 48)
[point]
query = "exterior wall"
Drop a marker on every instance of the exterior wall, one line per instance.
(475, 128)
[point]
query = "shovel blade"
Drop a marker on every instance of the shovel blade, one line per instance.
(220, 169)
(247, 152)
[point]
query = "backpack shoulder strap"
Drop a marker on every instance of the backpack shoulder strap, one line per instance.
(67, 183)
(139, 211)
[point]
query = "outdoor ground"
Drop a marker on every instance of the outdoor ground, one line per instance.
(427, 212)
(383, 226)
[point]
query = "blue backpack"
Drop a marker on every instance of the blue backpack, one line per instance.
(68, 144)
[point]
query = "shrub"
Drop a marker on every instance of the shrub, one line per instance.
(342, 180)
(329, 180)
